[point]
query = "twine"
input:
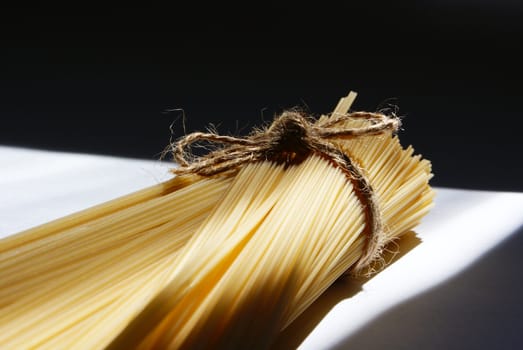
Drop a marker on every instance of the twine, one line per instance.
(290, 139)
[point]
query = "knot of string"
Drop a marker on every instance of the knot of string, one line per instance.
(290, 139)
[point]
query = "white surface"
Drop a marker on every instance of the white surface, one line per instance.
(38, 186)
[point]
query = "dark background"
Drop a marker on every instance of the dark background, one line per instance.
(102, 80)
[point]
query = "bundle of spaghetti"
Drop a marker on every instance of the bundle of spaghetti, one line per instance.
(228, 261)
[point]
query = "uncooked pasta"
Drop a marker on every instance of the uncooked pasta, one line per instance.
(222, 261)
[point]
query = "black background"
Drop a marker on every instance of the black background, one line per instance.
(102, 80)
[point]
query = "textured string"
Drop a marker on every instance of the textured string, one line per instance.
(290, 139)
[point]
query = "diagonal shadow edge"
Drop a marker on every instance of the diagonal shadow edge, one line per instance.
(479, 308)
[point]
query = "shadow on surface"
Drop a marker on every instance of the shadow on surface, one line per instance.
(479, 308)
(344, 288)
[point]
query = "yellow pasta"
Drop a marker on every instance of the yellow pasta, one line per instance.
(222, 262)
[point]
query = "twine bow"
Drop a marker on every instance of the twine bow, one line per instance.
(290, 139)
